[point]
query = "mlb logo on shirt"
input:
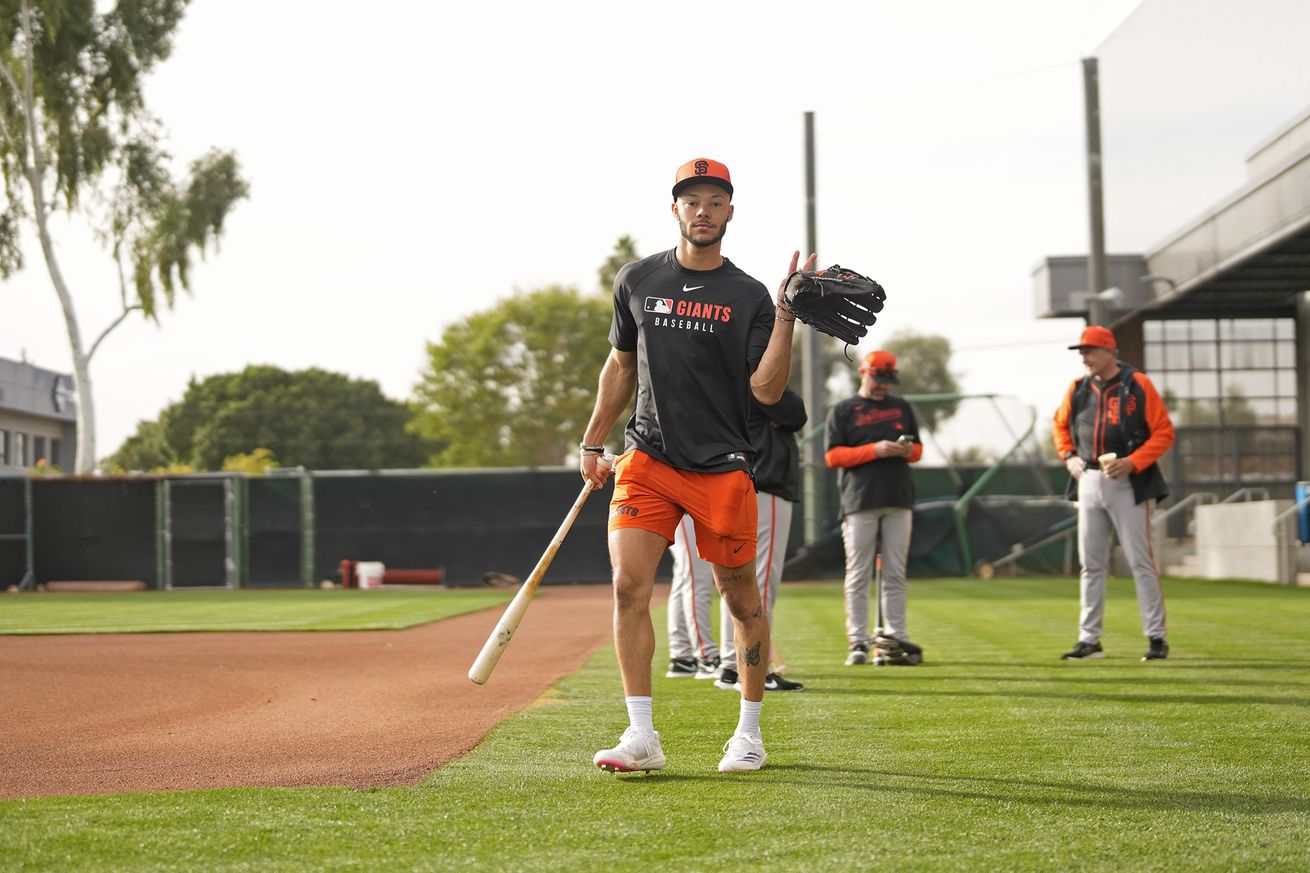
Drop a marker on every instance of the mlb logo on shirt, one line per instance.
(659, 305)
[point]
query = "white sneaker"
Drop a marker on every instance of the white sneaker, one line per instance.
(638, 749)
(742, 752)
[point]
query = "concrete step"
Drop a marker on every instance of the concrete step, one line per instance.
(1184, 565)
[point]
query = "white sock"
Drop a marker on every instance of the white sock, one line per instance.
(749, 720)
(639, 715)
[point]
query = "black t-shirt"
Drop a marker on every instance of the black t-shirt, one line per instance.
(698, 336)
(777, 457)
(858, 421)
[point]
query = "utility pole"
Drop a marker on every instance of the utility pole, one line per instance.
(1096, 307)
(814, 490)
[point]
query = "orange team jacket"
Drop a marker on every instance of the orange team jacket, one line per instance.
(1125, 416)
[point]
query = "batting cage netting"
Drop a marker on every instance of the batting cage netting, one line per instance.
(989, 494)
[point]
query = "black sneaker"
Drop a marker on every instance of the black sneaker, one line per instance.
(1084, 651)
(774, 682)
(1159, 650)
(727, 680)
(708, 668)
(679, 667)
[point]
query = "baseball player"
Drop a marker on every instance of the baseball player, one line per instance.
(696, 338)
(692, 649)
(872, 439)
(777, 488)
(1110, 429)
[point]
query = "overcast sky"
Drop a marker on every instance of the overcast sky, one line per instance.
(410, 163)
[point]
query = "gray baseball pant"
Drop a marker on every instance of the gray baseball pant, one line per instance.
(771, 534)
(691, 629)
(1107, 506)
(859, 533)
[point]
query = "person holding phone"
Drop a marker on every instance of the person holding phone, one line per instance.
(872, 438)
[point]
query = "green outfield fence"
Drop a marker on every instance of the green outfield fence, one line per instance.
(294, 528)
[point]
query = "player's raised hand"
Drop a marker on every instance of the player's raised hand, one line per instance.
(795, 259)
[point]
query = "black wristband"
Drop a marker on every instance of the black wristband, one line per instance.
(595, 450)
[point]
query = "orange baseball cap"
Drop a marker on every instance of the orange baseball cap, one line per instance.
(1097, 337)
(881, 365)
(702, 171)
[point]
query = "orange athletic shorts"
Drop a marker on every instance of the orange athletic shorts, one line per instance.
(651, 495)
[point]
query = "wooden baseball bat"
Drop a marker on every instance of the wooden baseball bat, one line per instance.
(495, 645)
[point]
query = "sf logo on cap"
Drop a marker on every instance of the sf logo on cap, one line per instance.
(702, 167)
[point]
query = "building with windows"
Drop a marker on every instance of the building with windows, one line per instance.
(1231, 386)
(38, 418)
(1205, 121)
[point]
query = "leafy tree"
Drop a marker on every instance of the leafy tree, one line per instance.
(515, 385)
(255, 463)
(971, 456)
(146, 450)
(309, 418)
(923, 366)
(625, 250)
(74, 130)
(923, 362)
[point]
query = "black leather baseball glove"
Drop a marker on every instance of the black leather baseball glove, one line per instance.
(835, 301)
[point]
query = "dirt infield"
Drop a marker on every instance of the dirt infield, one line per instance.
(103, 714)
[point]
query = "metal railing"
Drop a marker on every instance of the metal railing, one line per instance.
(1197, 498)
(1286, 559)
(1254, 492)
(1158, 526)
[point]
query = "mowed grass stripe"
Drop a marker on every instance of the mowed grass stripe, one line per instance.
(243, 610)
(992, 755)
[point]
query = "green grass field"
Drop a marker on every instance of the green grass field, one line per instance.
(246, 610)
(993, 755)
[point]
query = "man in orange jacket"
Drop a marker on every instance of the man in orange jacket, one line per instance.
(1110, 429)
